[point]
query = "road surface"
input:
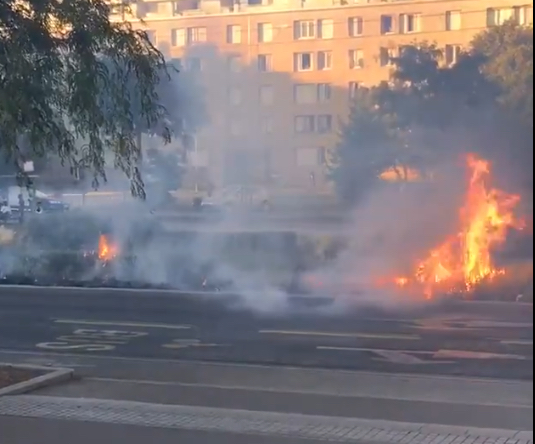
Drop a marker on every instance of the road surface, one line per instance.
(469, 339)
(187, 368)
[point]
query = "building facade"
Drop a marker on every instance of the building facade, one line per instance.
(279, 75)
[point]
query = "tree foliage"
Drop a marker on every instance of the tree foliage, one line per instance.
(507, 61)
(430, 110)
(65, 72)
(366, 146)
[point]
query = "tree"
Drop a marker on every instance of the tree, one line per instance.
(506, 54)
(429, 111)
(366, 147)
(54, 75)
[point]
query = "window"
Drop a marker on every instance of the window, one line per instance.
(194, 64)
(325, 123)
(178, 37)
(234, 34)
(303, 61)
(326, 29)
(451, 54)
(234, 64)
(234, 96)
(266, 95)
(151, 35)
(304, 29)
(387, 24)
(385, 56)
(453, 20)
(264, 63)
(409, 23)
(324, 92)
(522, 14)
(356, 58)
(266, 125)
(355, 26)
(265, 32)
(196, 35)
(325, 60)
(497, 17)
(304, 124)
(305, 93)
(352, 88)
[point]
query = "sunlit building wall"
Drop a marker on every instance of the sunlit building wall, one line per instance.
(279, 75)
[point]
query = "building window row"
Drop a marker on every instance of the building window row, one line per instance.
(310, 61)
(313, 29)
(310, 123)
(405, 23)
(303, 93)
(522, 15)
(312, 93)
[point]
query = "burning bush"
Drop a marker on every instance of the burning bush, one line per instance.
(464, 260)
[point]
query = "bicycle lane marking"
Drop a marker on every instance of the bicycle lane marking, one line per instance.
(85, 337)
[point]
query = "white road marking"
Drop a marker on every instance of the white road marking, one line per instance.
(15, 354)
(398, 357)
(526, 342)
(374, 350)
(406, 337)
(461, 323)
(123, 324)
(466, 354)
(187, 343)
(405, 357)
(440, 354)
(497, 324)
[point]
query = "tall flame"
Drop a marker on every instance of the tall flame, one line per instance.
(464, 260)
(106, 250)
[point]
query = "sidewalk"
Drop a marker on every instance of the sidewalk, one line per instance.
(277, 426)
(48, 431)
(137, 401)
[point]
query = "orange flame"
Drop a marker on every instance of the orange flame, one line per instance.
(464, 260)
(106, 251)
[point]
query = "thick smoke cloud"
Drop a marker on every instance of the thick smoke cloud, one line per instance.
(387, 232)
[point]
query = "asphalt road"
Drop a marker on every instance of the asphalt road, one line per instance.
(470, 339)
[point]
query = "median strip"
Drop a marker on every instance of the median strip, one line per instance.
(17, 379)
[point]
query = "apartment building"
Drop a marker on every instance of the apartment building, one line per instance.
(279, 75)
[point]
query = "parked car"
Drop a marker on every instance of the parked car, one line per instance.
(43, 202)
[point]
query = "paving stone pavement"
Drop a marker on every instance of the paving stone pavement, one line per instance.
(334, 429)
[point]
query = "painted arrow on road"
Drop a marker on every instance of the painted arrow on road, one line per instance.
(392, 356)
(410, 357)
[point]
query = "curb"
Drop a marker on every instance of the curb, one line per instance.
(52, 376)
